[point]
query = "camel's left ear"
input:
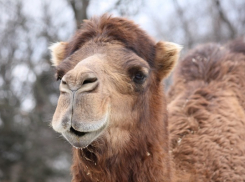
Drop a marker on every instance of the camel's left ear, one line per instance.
(57, 52)
(167, 54)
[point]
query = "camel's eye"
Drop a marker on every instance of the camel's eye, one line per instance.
(139, 77)
(138, 74)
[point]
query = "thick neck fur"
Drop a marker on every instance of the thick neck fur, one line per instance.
(144, 159)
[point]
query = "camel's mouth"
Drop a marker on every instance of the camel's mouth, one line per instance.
(78, 133)
(81, 139)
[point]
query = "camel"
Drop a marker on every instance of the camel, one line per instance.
(113, 111)
(206, 105)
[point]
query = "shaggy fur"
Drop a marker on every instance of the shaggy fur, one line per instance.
(204, 139)
(145, 157)
(110, 29)
(206, 114)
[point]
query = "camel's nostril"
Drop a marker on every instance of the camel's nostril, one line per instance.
(84, 81)
(89, 80)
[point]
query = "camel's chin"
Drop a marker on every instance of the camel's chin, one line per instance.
(82, 139)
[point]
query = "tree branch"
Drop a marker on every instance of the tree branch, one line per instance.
(184, 23)
(79, 7)
(225, 19)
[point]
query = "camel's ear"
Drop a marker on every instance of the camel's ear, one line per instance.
(57, 52)
(167, 54)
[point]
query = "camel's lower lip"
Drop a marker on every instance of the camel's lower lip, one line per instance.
(82, 139)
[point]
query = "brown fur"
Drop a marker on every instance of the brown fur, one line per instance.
(109, 29)
(144, 158)
(134, 147)
(206, 114)
(206, 108)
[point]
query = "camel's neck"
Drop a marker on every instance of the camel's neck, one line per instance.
(138, 165)
(145, 158)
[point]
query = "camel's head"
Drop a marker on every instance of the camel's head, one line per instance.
(106, 72)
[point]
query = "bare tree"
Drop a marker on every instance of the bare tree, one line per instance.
(29, 149)
(26, 154)
(184, 23)
(79, 8)
(224, 18)
(127, 7)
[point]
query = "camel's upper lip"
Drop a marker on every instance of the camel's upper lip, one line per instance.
(81, 126)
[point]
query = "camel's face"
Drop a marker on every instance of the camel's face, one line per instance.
(101, 88)
(99, 95)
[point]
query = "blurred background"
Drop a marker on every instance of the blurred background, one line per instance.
(30, 151)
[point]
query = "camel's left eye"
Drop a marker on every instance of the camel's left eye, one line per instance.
(139, 77)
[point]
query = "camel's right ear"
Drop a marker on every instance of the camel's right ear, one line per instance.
(57, 52)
